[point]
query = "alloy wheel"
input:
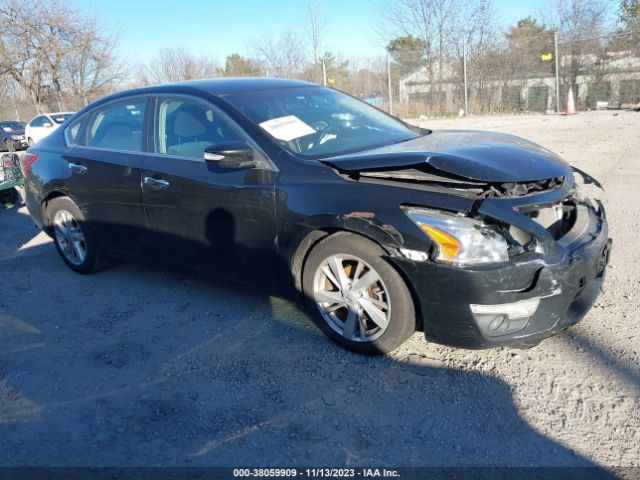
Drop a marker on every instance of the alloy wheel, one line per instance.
(352, 298)
(70, 237)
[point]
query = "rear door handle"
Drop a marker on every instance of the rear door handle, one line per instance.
(77, 168)
(156, 183)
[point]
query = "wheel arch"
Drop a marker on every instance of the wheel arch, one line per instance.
(45, 205)
(312, 238)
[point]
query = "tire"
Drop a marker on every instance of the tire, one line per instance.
(346, 315)
(9, 197)
(64, 215)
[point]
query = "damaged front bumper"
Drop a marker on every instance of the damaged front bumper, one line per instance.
(521, 302)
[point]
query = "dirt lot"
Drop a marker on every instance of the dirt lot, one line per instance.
(143, 366)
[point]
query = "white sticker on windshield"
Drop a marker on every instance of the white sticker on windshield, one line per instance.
(287, 128)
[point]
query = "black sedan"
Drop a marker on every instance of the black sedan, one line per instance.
(477, 239)
(12, 136)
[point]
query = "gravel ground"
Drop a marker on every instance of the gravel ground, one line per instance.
(139, 365)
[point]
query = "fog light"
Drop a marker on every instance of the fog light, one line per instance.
(497, 320)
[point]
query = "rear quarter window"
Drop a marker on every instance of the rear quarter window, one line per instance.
(72, 132)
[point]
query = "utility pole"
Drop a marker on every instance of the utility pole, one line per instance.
(389, 85)
(466, 91)
(557, 61)
(324, 73)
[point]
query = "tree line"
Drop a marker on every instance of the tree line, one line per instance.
(54, 56)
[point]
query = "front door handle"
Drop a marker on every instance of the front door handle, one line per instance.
(77, 168)
(156, 183)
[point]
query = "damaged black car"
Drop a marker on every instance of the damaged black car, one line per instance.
(477, 239)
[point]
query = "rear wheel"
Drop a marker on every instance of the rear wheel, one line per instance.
(359, 300)
(70, 235)
(9, 197)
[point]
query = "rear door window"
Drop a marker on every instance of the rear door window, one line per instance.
(117, 126)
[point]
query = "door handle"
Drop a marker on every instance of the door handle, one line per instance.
(77, 168)
(156, 183)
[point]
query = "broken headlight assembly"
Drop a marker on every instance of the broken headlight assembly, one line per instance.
(460, 240)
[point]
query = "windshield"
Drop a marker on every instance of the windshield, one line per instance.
(315, 122)
(11, 126)
(60, 118)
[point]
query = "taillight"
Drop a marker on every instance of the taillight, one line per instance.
(26, 161)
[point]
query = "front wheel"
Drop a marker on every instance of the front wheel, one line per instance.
(70, 235)
(359, 300)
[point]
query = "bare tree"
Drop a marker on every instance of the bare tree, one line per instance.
(315, 24)
(282, 56)
(14, 100)
(445, 27)
(92, 68)
(578, 23)
(176, 64)
(37, 42)
(22, 49)
(576, 19)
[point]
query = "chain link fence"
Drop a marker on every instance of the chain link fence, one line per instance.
(533, 74)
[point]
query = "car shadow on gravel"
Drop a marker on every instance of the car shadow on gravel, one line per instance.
(608, 359)
(140, 365)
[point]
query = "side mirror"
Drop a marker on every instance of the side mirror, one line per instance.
(232, 154)
(47, 125)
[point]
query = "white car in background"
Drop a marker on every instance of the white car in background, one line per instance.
(43, 125)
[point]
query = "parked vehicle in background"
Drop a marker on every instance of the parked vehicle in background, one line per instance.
(479, 239)
(12, 136)
(44, 124)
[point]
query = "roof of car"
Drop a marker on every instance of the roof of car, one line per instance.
(220, 86)
(212, 86)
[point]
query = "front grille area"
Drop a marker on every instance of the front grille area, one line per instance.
(526, 188)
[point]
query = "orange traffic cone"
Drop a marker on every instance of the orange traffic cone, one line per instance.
(570, 108)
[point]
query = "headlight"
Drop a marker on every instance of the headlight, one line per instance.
(460, 240)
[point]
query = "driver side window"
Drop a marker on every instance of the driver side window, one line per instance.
(186, 127)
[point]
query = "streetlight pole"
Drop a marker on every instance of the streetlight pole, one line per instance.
(555, 54)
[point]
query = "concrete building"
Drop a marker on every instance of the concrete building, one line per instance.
(614, 78)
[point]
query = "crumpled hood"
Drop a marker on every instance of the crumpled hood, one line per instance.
(476, 155)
